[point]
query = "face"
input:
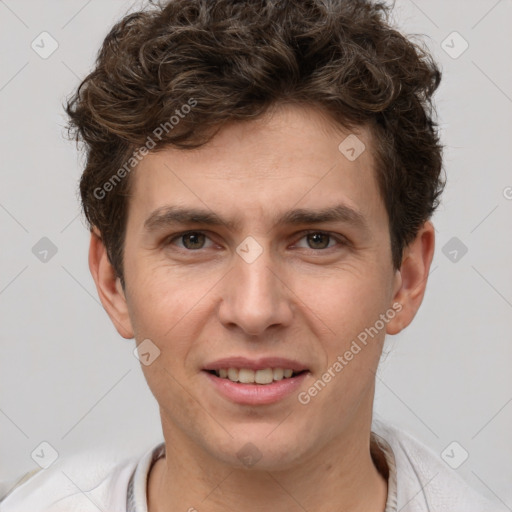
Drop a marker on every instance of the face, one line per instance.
(265, 249)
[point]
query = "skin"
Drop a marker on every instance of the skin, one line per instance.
(295, 300)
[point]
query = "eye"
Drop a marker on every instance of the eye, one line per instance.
(318, 240)
(196, 240)
(191, 241)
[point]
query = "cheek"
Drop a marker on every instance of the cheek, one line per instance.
(346, 301)
(164, 299)
(349, 303)
(175, 397)
(172, 309)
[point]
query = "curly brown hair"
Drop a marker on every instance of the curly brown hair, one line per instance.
(232, 60)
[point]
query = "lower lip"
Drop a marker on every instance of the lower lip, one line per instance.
(256, 394)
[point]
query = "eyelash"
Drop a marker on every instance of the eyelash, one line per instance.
(341, 240)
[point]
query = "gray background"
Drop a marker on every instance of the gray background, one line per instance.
(67, 377)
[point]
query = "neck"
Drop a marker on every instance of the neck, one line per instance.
(342, 476)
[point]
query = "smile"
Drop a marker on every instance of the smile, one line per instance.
(248, 376)
(245, 390)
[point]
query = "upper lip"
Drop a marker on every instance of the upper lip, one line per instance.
(256, 364)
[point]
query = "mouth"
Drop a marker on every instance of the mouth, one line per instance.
(264, 381)
(261, 377)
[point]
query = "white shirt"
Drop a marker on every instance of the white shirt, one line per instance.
(418, 481)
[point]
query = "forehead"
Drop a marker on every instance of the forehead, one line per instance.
(294, 156)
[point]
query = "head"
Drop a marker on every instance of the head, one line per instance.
(294, 143)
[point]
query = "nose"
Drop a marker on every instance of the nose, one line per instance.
(255, 297)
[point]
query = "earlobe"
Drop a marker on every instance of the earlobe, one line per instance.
(412, 277)
(110, 291)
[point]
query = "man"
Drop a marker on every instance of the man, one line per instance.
(259, 182)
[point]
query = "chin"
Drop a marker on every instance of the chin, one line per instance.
(256, 449)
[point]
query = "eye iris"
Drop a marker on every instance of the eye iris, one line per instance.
(195, 240)
(318, 240)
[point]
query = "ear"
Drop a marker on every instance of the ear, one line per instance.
(412, 278)
(109, 287)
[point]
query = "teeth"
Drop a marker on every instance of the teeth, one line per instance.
(247, 376)
(233, 374)
(265, 376)
(278, 373)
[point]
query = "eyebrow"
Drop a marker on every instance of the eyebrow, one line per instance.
(170, 215)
